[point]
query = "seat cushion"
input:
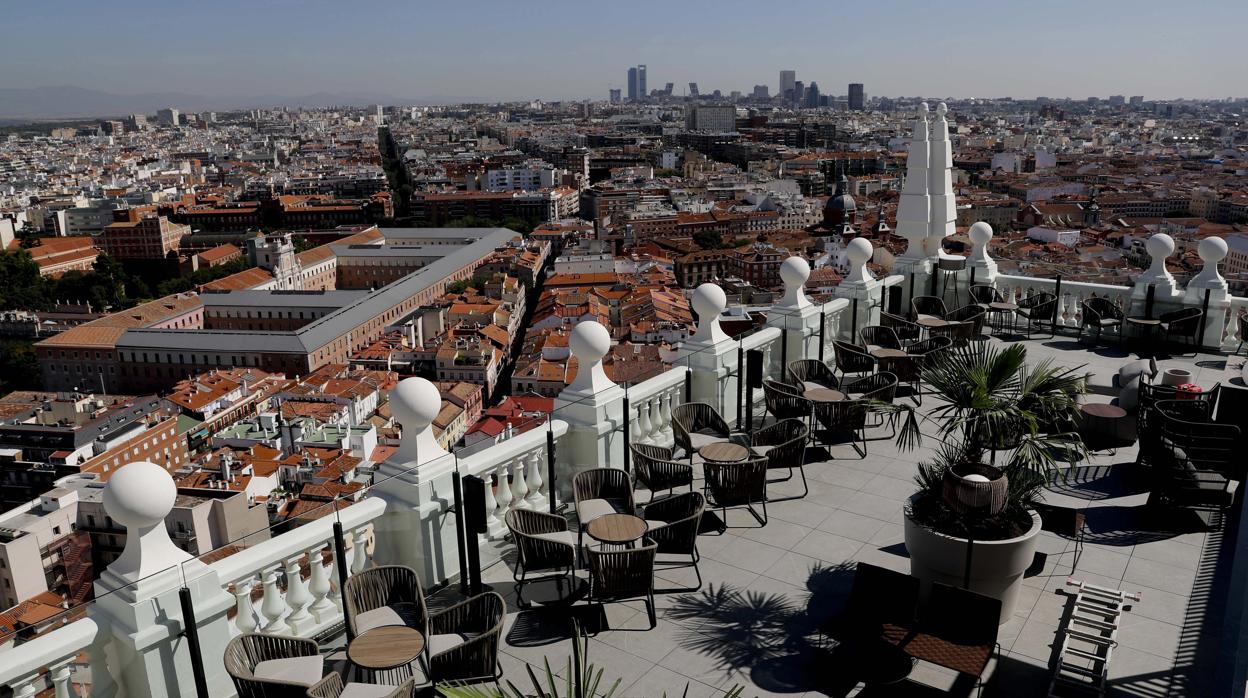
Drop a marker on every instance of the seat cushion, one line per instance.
(397, 614)
(761, 450)
(699, 439)
(442, 643)
(366, 690)
(565, 537)
(304, 671)
(590, 509)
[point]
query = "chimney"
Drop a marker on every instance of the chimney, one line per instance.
(227, 461)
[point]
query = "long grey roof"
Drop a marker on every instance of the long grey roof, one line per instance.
(389, 250)
(324, 330)
(281, 299)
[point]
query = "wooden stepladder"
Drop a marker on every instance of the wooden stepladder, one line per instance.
(1088, 640)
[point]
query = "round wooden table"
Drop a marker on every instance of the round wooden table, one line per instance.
(930, 322)
(1146, 330)
(1100, 427)
(724, 452)
(379, 652)
(617, 529)
(824, 394)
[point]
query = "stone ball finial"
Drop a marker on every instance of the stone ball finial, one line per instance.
(1212, 250)
(859, 251)
(589, 342)
(794, 271)
(140, 495)
(923, 108)
(980, 233)
(415, 403)
(709, 300)
(942, 109)
(1159, 246)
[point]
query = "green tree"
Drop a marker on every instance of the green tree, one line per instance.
(708, 239)
(21, 288)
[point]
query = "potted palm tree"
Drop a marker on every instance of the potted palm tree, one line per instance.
(1003, 425)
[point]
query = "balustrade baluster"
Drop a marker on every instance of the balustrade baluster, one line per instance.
(519, 486)
(245, 612)
(24, 688)
(665, 415)
(273, 606)
(491, 501)
(297, 597)
(640, 431)
(537, 495)
(656, 420)
(323, 607)
(503, 492)
(60, 680)
(359, 547)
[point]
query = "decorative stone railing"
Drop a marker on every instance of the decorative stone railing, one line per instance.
(1070, 299)
(651, 402)
(52, 660)
(291, 604)
(517, 468)
(1231, 337)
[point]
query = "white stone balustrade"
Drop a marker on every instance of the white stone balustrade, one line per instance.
(651, 402)
(50, 660)
(296, 579)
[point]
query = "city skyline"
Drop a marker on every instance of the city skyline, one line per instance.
(1067, 50)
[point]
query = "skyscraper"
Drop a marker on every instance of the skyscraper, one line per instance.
(693, 89)
(615, 95)
(760, 92)
(787, 79)
(632, 84)
(642, 92)
(799, 91)
(812, 95)
(857, 98)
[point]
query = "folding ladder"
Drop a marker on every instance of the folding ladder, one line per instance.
(1088, 640)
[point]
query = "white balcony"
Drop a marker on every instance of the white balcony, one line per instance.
(767, 589)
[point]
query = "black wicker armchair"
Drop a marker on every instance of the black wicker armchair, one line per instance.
(851, 358)
(620, 574)
(812, 373)
(332, 687)
(928, 307)
(785, 401)
(909, 368)
(601, 491)
(463, 640)
(1038, 310)
(696, 424)
(972, 314)
(657, 469)
(877, 387)
(674, 524)
(741, 484)
(1101, 314)
(878, 337)
(385, 595)
(843, 422)
(543, 543)
(784, 446)
(1182, 324)
(905, 330)
(273, 666)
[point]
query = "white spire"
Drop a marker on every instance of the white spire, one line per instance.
(944, 210)
(914, 209)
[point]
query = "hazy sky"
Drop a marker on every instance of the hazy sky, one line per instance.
(555, 49)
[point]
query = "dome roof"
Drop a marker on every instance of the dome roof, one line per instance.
(841, 208)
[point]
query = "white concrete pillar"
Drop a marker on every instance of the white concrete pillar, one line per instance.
(137, 596)
(795, 315)
(984, 266)
(1166, 294)
(1212, 251)
(711, 355)
(593, 407)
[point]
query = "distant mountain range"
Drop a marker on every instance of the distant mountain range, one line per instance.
(80, 102)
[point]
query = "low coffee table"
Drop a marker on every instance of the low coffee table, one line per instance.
(1101, 428)
(825, 394)
(724, 452)
(617, 529)
(386, 653)
(1146, 329)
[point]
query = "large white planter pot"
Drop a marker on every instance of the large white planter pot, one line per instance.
(997, 566)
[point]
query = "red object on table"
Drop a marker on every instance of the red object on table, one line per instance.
(1187, 391)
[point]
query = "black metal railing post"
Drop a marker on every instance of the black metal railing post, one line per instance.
(853, 323)
(551, 484)
(474, 512)
(823, 327)
(1057, 303)
(458, 492)
(340, 565)
(911, 286)
(191, 630)
(1204, 319)
(1148, 301)
(628, 418)
(688, 385)
(740, 380)
(784, 343)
